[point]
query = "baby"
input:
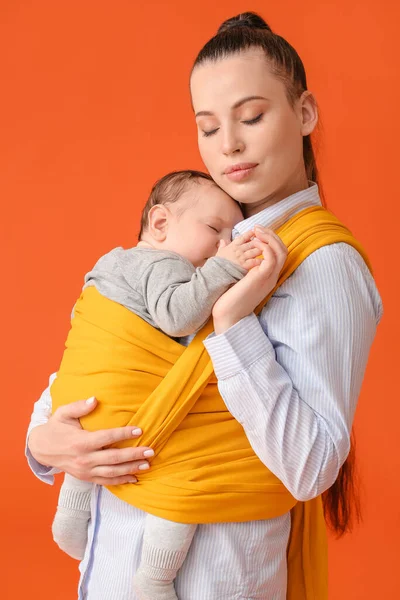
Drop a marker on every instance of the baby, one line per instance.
(183, 263)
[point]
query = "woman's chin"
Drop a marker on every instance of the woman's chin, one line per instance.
(248, 194)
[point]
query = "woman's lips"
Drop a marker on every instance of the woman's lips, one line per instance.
(240, 171)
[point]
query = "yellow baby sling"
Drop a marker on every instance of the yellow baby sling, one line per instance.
(204, 469)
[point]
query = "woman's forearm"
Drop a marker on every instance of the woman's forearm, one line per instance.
(295, 391)
(40, 416)
(283, 430)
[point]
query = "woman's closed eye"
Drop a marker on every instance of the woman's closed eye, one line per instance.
(211, 132)
(255, 120)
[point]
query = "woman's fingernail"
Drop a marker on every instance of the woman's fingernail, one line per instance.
(144, 466)
(133, 480)
(137, 431)
(148, 453)
(90, 400)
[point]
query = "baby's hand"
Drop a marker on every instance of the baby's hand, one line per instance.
(242, 298)
(243, 251)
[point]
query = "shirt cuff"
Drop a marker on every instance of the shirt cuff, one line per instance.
(238, 347)
(45, 474)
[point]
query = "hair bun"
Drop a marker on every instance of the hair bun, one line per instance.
(247, 19)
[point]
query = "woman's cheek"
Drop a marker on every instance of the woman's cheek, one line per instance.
(201, 148)
(206, 155)
(212, 168)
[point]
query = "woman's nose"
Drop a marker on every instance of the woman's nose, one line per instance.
(231, 144)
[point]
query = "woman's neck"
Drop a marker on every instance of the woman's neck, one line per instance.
(291, 187)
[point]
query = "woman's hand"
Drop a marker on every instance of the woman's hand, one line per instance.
(62, 443)
(241, 299)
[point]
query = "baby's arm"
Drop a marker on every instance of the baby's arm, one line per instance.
(180, 298)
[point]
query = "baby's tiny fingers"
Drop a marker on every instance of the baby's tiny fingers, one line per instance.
(244, 247)
(252, 253)
(245, 237)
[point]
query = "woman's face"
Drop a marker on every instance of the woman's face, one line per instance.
(250, 137)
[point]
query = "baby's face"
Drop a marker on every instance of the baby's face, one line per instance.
(208, 216)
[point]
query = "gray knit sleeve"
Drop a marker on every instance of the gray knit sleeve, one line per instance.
(179, 298)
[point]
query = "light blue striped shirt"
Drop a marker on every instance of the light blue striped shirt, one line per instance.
(292, 378)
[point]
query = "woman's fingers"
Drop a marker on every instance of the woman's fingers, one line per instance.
(270, 237)
(71, 412)
(112, 471)
(114, 480)
(116, 456)
(259, 229)
(271, 263)
(259, 244)
(266, 249)
(274, 241)
(253, 262)
(95, 440)
(246, 240)
(111, 463)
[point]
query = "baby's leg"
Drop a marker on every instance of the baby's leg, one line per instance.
(72, 517)
(165, 546)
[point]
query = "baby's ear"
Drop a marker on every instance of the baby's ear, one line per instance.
(158, 222)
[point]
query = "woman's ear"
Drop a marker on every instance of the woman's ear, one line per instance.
(309, 113)
(158, 222)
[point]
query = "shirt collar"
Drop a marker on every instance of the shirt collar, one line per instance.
(276, 215)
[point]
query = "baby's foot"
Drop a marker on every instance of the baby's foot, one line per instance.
(152, 589)
(70, 529)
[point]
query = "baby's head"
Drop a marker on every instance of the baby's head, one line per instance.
(189, 214)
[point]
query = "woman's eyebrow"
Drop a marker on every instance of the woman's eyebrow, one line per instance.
(208, 113)
(247, 99)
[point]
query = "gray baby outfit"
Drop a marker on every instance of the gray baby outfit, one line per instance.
(163, 288)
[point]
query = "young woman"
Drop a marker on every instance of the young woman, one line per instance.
(290, 376)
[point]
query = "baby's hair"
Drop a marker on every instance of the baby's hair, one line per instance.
(169, 189)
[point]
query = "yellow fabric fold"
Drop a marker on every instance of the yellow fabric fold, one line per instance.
(204, 470)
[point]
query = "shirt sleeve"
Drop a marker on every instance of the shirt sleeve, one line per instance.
(180, 298)
(40, 416)
(292, 378)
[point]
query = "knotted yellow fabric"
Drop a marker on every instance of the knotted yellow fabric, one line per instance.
(204, 469)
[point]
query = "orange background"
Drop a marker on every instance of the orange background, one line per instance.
(94, 107)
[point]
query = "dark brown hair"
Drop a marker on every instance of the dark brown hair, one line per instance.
(169, 189)
(249, 30)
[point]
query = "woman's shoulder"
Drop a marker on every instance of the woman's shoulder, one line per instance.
(334, 272)
(340, 256)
